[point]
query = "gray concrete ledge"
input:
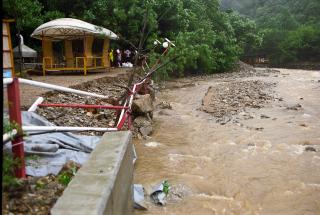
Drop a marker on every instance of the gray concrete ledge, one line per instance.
(103, 185)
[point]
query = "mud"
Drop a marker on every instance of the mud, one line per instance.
(266, 160)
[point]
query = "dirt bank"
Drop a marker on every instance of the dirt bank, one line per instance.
(28, 94)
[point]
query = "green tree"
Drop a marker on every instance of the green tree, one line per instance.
(208, 40)
(289, 27)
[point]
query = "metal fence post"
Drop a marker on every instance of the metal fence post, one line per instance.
(15, 117)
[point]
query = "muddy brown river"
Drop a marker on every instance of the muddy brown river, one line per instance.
(261, 165)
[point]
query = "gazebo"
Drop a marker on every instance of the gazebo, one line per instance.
(28, 55)
(78, 38)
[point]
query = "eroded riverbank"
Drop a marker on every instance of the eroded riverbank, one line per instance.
(267, 163)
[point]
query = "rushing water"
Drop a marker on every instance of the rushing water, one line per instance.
(233, 169)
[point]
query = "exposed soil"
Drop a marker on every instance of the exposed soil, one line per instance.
(35, 195)
(30, 198)
(28, 94)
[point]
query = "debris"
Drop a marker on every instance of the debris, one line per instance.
(138, 197)
(294, 107)
(160, 193)
(305, 115)
(135, 156)
(89, 117)
(152, 144)
(230, 98)
(164, 105)
(310, 149)
(263, 116)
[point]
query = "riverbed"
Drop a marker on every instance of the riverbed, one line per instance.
(267, 163)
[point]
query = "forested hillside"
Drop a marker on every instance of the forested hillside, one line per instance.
(290, 28)
(210, 36)
(208, 40)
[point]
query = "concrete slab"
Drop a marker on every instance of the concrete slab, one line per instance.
(103, 185)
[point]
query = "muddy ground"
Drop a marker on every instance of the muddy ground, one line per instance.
(28, 94)
(233, 143)
(236, 144)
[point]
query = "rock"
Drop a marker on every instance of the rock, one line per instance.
(89, 114)
(164, 105)
(70, 165)
(231, 98)
(263, 116)
(99, 116)
(164, 112)
(146, 131)
(294, 107)
(143, 104)
(144, 125)
(310, 149)
(152, 93)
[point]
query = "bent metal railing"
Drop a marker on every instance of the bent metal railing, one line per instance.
(124, 111)
(15, 115)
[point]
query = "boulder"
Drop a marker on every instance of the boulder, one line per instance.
(164, 105)
(142, 104)
(144, 125)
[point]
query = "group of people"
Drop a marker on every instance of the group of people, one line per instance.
(121, 58)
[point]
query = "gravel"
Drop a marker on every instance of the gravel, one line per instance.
(85, 117)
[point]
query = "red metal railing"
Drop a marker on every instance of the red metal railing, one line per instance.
(15, 117)
(15, 113)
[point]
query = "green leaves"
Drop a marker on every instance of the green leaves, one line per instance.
(66, 176)
(8, 165)
(166, 187)
(207, 39)
(289, 28)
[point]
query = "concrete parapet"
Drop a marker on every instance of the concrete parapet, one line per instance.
(103, 185)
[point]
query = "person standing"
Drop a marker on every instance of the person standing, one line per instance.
(119, 58)
(127, 53)
(111, 58)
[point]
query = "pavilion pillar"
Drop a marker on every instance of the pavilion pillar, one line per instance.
(68, 53)
(105, 53)
(47, 52)
(88, 41)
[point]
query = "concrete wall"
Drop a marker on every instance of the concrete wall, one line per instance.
(103, 185)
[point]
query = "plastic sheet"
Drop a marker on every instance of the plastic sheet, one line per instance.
(52, 150)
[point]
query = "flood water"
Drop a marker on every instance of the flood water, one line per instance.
(233, 169)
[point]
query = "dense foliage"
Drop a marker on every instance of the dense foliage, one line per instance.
(290, 28)
(208, 40)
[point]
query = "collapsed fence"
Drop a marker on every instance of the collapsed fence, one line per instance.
(15, 114)
(123, 112)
